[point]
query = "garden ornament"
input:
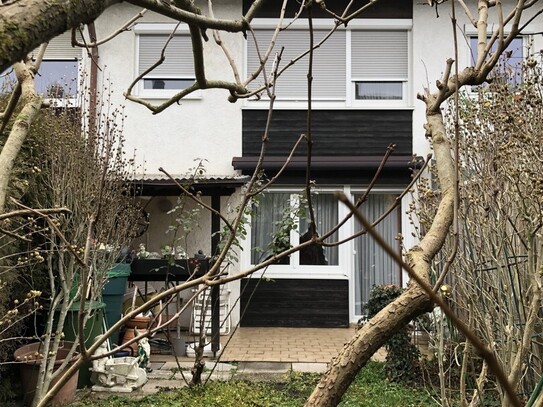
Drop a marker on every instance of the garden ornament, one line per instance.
(117, 375)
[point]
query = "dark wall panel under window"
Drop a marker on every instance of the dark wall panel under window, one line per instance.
(295, 303)
(335, 132)
(382, 9)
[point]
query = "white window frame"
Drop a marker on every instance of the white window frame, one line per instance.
(346, 251)
(294, 269)
(350, 102)
(159, 94)
(383, 103)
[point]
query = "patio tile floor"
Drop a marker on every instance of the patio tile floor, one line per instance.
(310, 345)
(289, 345)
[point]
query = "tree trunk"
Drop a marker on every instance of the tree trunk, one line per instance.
(19, 131)
(25, 24)
(413, 302)
(365, 343)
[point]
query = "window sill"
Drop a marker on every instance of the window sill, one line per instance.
(325, 106)
(302, 272)
(161, 95)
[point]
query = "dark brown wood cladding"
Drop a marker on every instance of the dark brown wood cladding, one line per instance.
(295, 303)
(382, 9)
(334, 132)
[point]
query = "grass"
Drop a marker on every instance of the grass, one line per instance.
(370, 389)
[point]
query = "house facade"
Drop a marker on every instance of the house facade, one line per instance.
(366, 77)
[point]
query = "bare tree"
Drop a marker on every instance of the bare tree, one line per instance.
(496, 276)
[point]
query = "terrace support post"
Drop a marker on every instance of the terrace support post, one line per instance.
(215, 290)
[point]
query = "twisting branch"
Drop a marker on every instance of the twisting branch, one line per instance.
(455, 225)
(468, 13)
(290, 63)
(360, 201)
(159, 62)
(274, 179)
(43, 214)
(264, 58)
(5, 116)
(343, 18)
(32, 103)
(26, 212)
(308, 136)
(371, 185)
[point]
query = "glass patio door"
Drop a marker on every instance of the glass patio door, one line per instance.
(373, 266)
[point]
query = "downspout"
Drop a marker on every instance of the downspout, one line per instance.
(93, 84)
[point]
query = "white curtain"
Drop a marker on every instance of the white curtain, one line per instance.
(267, 215)
(373, 266)
(379, 90)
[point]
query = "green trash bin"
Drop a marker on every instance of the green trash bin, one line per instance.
(92, 329)
(113, 295)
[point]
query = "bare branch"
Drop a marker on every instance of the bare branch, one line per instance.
(26, 212)
(468, 13)
(195, 18)
(196, 199)
(125, 27)
(219, 42)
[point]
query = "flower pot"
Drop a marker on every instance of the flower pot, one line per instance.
(179, 346)
(29, 371)
(138, 322)
(141, 324)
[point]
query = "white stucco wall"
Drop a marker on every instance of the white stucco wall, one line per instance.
(207, 128)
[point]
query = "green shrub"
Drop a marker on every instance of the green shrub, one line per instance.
(402, 362)
(369, 389)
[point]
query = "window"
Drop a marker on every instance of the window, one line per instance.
(278, 209)
(379, 61)
(373, 266)
(353, 66)
(58, 76)
(267, 218)
(58, 73)
(174, 74)
(509, 67)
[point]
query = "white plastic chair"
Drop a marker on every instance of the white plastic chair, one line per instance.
(201, 312)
